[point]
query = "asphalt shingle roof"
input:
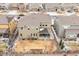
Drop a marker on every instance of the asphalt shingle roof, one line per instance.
(3, 20)
(68, 20)
(34, 19)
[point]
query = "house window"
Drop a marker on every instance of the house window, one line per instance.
(76, 10)
(21, 28)
(40, 25)
(51, 25)
(56, 9)
(77, 35)
(34, 34)
(23, 39)
(0, 34)
(20, 34)
(45, 25)
(44, 35)
(38, 9)
(36, 28)
(5, 35)
(31, 34)
(18, 17)
(28, 28)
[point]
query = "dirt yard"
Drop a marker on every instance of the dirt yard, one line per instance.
(35, 46)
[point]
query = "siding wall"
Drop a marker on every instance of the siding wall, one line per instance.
(32, 30)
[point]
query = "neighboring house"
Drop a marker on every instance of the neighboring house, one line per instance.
(27, 6)
(69, 7)
(76, 9)
(34, 26)
(72, 32)
(54, 7)
(13, 6)
(21, 7)
(67, 29)
(35, 7)
(3, 6)
(7, 26)
(4, 27)
(61, 7)
(67, 26)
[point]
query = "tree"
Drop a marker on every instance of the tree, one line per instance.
(61, 44)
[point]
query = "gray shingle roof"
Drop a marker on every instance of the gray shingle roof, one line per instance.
(34, 19)
(34, 5)
(52, 5)
(4, 19)
(68, 4)
(68, 20)
(74, 27)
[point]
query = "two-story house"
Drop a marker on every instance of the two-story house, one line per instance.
(34, 26)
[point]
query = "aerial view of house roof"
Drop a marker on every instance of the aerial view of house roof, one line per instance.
(52, 5)
(3, 20)
(34, 19)
(35, 5)
(39, 28)
(68, 5)
(68, 20)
